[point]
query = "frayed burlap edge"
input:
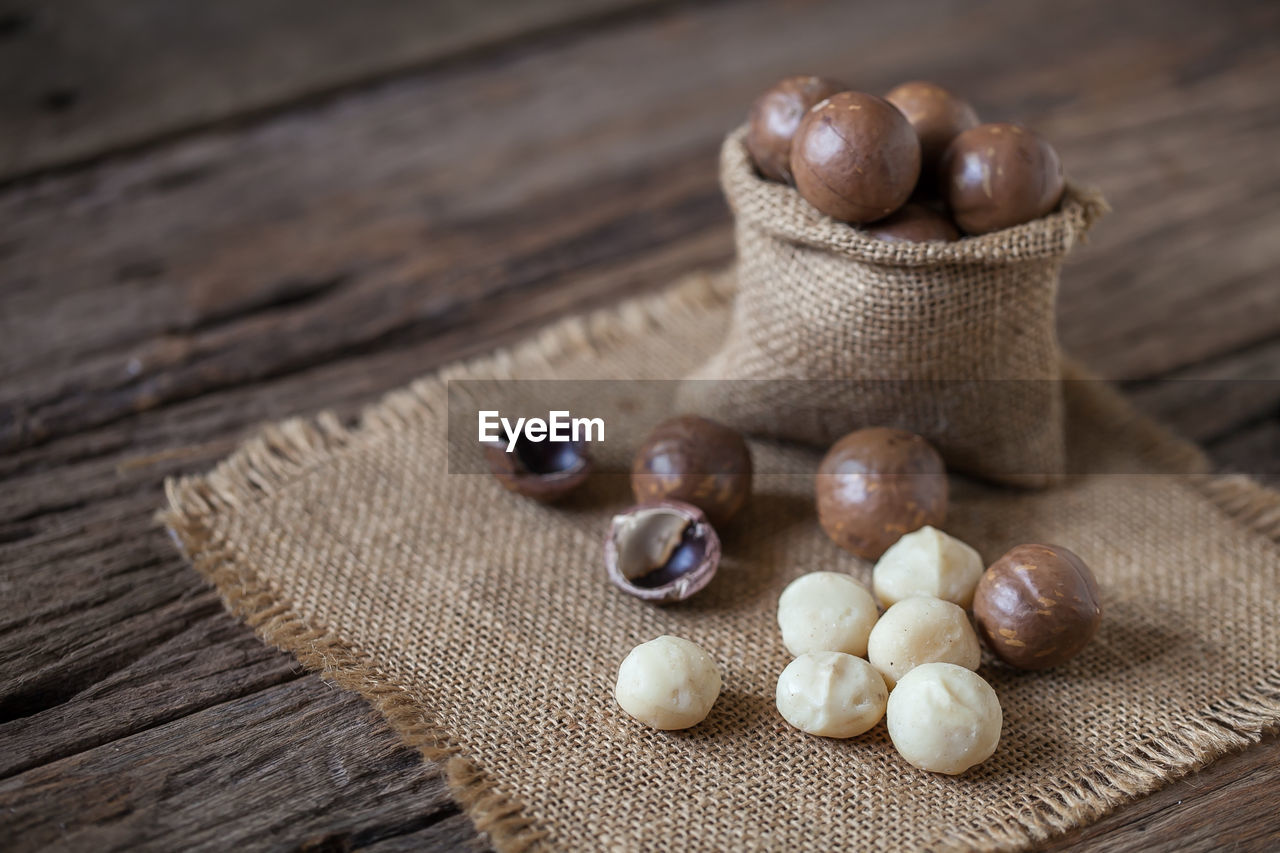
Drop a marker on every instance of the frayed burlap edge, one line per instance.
(281, 453)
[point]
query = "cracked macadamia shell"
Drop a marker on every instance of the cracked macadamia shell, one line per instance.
(696, 461)
(544, 471)
(1037, 606)
(922, 630)
(668, 683)
(661, 552)
(831, 694)
(877, 484)
(826, 612)
(927, 562)
(944, 718)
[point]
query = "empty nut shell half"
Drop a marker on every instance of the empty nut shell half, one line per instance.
(543, 470)
(661, 552)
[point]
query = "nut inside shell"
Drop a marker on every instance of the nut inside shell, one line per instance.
(663, 551)
(542, 470)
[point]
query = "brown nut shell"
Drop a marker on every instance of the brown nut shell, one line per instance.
(776, 114)
(697, 461)
(855, 157)
(545, 471)
(877, 484)
(662, 551)
(996, 176)
(937, 115)
(1037, 606)
(914, 223)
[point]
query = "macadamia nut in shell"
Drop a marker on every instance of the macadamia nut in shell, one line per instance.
(697, 461)
(944, 718)
(937, 115)
(877, 484)
(917, 631)
(1037, 606)
(668, 683)
(927, 562)
(776, 114)
(831, 694)
(995, 176)
(855, 157)
(826, 612)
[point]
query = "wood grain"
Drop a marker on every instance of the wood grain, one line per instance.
(156, 306)
(69, 96)
(190, 785)
(234, 257)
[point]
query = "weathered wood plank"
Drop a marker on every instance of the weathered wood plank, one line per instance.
(1233, 804)
(297, 761)
(224, 241)
(68, 96)
(1253, 450)
(451, 833)
(1214, 399)
(209, 663)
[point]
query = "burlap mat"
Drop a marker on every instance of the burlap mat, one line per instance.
(482, 627)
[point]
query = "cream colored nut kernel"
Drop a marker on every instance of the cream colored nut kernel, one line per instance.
(922, 630)
(668, 683)
(944, 718)
(826, 612)
(927, 562)
(831, 694)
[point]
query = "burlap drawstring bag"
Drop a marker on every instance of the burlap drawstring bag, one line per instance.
(834, 330)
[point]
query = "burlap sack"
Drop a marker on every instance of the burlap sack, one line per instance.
(955, 341)
(483, 627)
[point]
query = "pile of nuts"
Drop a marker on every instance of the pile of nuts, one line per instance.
(911, 166)
(881, 494)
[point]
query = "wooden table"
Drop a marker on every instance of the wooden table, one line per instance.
(217, 214)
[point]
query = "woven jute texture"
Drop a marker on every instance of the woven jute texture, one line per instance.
(922, 334)
(483, 628)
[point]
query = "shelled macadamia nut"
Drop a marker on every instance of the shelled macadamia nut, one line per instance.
(831, 694)
(877, 484)
(855, 157)
(668, 683)
(922, 630)
(697, 461)
(927, 562)
(826, 612)
(1037, 606)
(995, 176)
(944, 718)
(776, 114)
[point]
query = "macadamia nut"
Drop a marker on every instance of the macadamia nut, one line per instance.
(831, 694)
(668, 683)
(826, 612)
(928, 562)
(944, 718)
(921, 630)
